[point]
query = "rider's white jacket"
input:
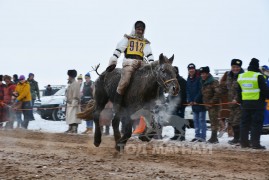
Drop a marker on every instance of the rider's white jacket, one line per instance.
(123, 44)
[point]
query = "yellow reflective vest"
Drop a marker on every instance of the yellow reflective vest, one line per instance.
(248, 82)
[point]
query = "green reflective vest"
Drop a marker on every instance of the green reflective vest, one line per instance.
(248, 82)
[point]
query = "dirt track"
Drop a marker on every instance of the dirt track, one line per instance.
(36, 155)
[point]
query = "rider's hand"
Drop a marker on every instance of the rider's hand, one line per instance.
(110, 68)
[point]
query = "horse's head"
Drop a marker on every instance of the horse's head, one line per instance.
(166, 75)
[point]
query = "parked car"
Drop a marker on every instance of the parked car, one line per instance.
(52, 107)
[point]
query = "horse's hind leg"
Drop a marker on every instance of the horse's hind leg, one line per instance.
(127, 134)
(97, 132)
(115, 125)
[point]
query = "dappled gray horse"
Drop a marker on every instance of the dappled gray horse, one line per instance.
(142, 90)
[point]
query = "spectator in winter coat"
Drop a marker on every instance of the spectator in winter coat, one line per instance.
(265, 72)
(34, 91)
(177, 104)
(18, 113)
(87, 95)
(24, 95)
(73, 102)
(211, 96)
(253, 91)
(8, 91)
(2, 87)
(194, 97)
(230, 86)
(80, 81)
(15, 78)
(48, 91)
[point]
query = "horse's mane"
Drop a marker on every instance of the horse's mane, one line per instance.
(150, 66)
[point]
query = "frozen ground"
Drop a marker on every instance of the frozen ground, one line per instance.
(61, 126)
(45, 152)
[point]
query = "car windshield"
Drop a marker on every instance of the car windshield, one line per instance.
(60, 92)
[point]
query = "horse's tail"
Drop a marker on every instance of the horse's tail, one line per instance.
(88, 112)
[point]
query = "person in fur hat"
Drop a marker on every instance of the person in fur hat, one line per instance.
(253, 92)
(211, 95)
(72, 102)
(230, 87)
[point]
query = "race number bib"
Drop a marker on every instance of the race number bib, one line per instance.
(136, 47)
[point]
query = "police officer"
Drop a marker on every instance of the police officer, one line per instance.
(135, 47)
(253, 92)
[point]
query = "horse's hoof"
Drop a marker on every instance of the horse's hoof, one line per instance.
(144, 138)
(119, 147)
(97, 144)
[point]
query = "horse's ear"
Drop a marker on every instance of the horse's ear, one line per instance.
(161, 59)
(171, 59)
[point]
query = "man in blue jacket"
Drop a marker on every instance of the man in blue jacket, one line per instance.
(194, 97)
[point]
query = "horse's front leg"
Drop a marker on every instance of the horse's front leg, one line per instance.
(115, 125)
(127, 134)
(97, 133)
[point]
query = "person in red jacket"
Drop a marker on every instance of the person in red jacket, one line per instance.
(2, 86)
(8, 91)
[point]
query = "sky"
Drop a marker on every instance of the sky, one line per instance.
(48, 37)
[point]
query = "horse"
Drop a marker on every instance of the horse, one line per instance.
(141, 92)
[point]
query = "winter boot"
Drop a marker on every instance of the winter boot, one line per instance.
(74, 129)
(69, 129)
(117, 102)
(87, 131)
(235, 141)
(214, 138)
(107, 130)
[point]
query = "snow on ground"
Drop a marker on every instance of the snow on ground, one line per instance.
(61, 126)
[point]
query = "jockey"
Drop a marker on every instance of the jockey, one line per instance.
(135, 47)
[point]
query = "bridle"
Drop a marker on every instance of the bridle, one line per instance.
(167, 81)
(164, 82)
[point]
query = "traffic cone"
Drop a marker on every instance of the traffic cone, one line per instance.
(141, 126)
